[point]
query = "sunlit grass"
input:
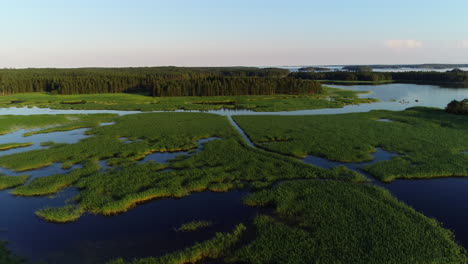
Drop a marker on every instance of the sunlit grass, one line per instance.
(194, 226)
(64, 214)
(7, 182)
(214, 248)
(342, 222)
(8, 146)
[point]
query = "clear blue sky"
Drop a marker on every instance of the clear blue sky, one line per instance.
(77, 33)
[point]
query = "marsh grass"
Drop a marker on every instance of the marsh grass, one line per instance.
(152, 132)
(147, 103)
(213, 169)
(223, 164)
(8, 146)
(7, 182)
(342, 222)
(54, 183)
(63, 214)
(215, 248)
(194, 226)
(84, 121)
(12, 123)
(428, 140)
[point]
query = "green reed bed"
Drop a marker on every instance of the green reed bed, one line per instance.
(157, 132)
(224, 164)
(9, 146)
(7, 182)
(330, 98)
(63, 214)
(81, 121)
(320, 216)
(12, 123)
(213, 169)
(430, 142)
(341, 222)
(215, 248)
(54, 183)
(327, 222)
(194, 226)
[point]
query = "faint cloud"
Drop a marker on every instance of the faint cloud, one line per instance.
(403, 44)
(464, 43)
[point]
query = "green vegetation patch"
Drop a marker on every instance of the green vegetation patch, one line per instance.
(329, 98)
(12, 123)
(223, 164)
(8, 146)
(341, 222)
(194, 226)
(215, 248)
(158, 132)
(213, 169)
(7, 182)
(430, 142)
(54, 183)
(76, 122)
(64, 214)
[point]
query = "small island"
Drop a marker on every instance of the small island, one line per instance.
(314, 69)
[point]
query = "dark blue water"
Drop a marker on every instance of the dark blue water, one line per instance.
(146, 230)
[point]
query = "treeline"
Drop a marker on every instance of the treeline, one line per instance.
(343, 76)
(412, 66)
(458, 107)
(413, 76)
(156, 81)
(225, 86)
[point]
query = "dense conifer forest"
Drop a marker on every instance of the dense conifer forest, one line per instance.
(156, 81)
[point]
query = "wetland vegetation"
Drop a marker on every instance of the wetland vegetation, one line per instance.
(129, 183)
(194, 226)
(12, 123)
(328, 98)
(312, 224)
(306, 214)
(214, 248)
(430, 142)
(7, 182)
(8, 146)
